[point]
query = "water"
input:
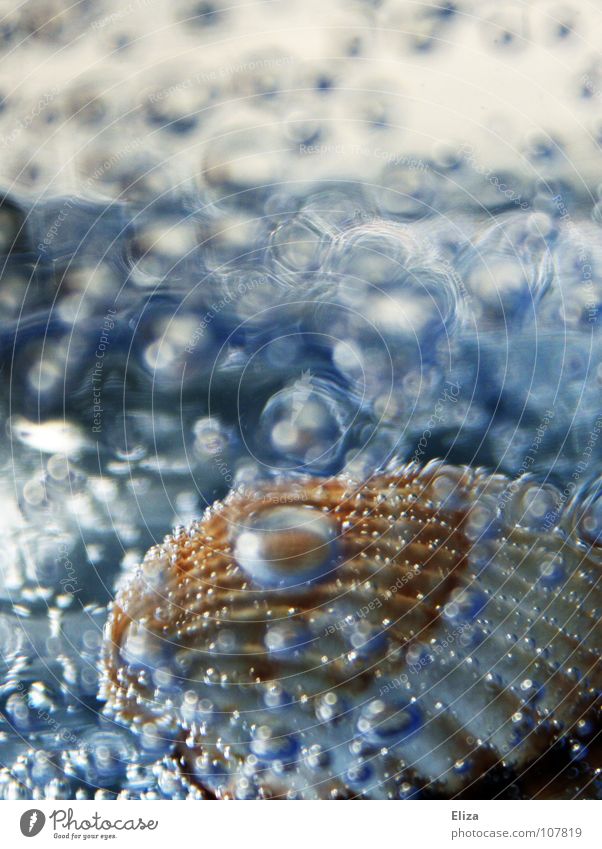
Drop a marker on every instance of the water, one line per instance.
(246, 243)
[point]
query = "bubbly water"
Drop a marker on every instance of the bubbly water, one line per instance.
(241, 242)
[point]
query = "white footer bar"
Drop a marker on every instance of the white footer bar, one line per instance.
(274, 825)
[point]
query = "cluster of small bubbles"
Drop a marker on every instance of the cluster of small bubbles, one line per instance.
(163, 246)
(381, 311)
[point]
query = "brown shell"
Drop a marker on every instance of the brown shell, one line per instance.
(429, 564)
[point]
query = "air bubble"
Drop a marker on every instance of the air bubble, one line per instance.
(287, 547)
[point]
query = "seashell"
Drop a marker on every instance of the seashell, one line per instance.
(335, 638)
